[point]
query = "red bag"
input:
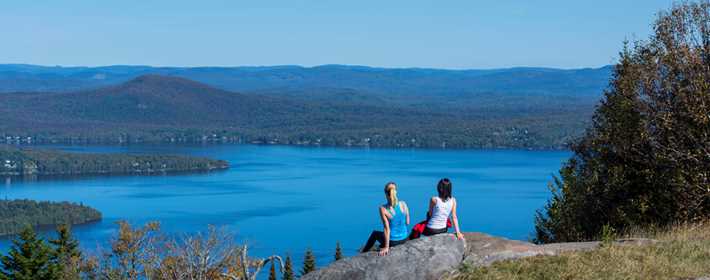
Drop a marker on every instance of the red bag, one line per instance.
(418, 229)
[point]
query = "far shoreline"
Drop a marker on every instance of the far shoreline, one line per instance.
(34, 162)
(62, 146)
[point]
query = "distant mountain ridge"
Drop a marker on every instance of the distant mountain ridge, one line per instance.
(158, 108)
(148, 100)
(390, 83)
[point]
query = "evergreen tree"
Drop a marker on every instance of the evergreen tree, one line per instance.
(28, 259)
(644, 161)
(66, 254)
(272, 272)
(309, 262)
(338, 251)
(288, 269)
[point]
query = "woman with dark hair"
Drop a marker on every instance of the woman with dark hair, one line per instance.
(440, 208)
(395, 218)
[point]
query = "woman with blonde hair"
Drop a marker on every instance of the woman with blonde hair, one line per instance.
(395, 218)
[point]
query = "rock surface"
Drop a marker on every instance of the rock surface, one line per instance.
(438, 257)
(483, 249)
(424, 258)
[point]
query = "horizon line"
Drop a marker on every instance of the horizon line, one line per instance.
(310, 67)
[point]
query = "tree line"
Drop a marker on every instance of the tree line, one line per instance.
(553, 131)
(16, 161)
(143, 253)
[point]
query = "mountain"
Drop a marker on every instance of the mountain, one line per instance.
(146, 101)
(400, 85)
(157, 108)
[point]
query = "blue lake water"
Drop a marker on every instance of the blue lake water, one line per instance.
(284, 199)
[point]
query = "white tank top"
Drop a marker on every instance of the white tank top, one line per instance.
(440, 214)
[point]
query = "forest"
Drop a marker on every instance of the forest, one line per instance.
(25, 161)
(164, 109)
(15, 215)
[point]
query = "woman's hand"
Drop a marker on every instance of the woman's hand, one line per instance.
(459, 236)
(384, 251)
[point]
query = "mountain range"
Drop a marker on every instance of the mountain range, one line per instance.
(324, 105)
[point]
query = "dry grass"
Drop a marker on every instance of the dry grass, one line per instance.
(683, 252)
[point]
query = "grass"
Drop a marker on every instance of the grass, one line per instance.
(683, 252)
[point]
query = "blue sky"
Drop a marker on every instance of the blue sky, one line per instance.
(439, 34)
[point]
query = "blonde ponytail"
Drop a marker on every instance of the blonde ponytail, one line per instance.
(391, 191)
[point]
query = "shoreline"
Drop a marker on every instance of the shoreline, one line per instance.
(345, 147)
(51, 227)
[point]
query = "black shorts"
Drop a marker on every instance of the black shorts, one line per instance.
(430, 231)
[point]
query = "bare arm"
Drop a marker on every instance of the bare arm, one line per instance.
(455, 219)
(406, 211)
(386, 224)
(432, 203)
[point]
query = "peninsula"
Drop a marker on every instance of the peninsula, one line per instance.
(42, 162)
(15, 215)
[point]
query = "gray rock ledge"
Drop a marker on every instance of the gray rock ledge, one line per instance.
(439, 257)
(424, 258)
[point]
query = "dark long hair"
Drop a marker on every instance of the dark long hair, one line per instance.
(444, 189)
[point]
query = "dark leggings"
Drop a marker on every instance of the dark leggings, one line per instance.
(379, 236)
(430, 231)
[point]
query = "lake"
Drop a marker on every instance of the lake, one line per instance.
(284, 199)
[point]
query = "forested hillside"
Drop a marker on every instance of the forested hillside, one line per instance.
(14, 161)
(15, 215)
(155, 108)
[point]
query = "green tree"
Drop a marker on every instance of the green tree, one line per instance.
(28, 259)
(272, 271)
(66, 254)
(644, 161)
(338, 251)
(288, 269)
(309, 262)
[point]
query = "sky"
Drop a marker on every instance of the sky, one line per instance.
(452, 34)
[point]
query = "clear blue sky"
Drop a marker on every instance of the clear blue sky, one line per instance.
(412, 33)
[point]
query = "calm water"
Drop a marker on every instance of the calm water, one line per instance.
(284, 199)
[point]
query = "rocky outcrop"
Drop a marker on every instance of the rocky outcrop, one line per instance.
(424, 258)
(483, 249)
(438, 257)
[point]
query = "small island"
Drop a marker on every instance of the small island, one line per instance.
(23, 161)
(15, 215)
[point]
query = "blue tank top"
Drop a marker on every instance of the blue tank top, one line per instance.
(398, 224)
